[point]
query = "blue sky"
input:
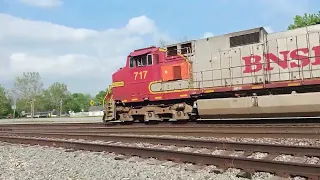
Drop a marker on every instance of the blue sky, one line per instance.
(178, 18)
(166, 19)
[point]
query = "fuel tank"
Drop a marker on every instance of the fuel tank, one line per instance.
(288, 105)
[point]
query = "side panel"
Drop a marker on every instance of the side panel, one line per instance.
(314, 41)
(306, 104)
(174, 82)
(175, 71)
(218, 65)
(291, 54)
(279, 57)
(210, 64)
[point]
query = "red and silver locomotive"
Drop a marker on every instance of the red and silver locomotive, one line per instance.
(246, 74)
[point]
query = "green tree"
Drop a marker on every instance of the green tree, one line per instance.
(77, 101)
(305, 20)
(56, 95)
(12, 97)
(99, 97)
(5, 105)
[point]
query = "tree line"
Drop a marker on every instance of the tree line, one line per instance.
(29, 95)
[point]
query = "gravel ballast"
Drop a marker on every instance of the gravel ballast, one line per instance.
(36, 162)
(280, 141)
(51, 120)
(257, 155)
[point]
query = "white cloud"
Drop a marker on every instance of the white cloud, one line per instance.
(68, 54)
(41, 30)
(43, 3)
(141, 25)
(207, 34)
(268, 29)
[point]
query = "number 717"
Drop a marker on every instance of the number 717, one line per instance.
(142, 75)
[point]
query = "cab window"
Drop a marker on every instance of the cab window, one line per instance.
(139, 61)
(149, 59)
(132, 62)
(142, 61)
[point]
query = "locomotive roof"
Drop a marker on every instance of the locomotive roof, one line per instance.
(236, 33)
(142, 51)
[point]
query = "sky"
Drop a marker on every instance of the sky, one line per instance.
(81, 42)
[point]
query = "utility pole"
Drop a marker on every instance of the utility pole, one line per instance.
(60, 107)
(14, 108)
(32, 107)
(13, 97)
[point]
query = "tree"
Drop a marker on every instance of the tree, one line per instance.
(5, 105)
(29, 88)
(305, 20)
(99, 97)
(55, 95)
(78, 101)
(12, 96)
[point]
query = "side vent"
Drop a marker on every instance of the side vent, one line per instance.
(245, 39)
(186, 48)
(177, 72)
(172, 51)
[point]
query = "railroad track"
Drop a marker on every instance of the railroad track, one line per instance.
(172, 149)
(222, 130)
(68, 126)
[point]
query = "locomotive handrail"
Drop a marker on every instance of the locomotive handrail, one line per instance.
(179, 51)
(109, 89)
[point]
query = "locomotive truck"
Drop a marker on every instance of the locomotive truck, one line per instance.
(246, 74)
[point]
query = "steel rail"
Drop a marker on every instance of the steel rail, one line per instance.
(247, 164)
(204, 132)
(197, 143)
(274, 131)
(162, 124)
(175, 128)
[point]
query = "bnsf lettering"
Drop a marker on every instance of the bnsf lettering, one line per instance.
(253, 63)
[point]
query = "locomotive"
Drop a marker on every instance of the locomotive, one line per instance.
(246, 74)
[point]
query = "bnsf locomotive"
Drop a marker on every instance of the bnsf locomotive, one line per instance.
(246, 74)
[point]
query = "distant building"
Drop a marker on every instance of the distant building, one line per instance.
(95, 108)
(95, 111)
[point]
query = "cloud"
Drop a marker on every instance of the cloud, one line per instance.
(42, 3)
(268, 29)
(66, 54)
(207, 34)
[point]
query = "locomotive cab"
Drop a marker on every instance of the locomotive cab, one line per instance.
(142, 67)
(151, 75)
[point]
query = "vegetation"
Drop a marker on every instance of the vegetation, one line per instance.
(78, 102)
(29, 95)
(99, 97)
(305, 20)
(5, 106)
